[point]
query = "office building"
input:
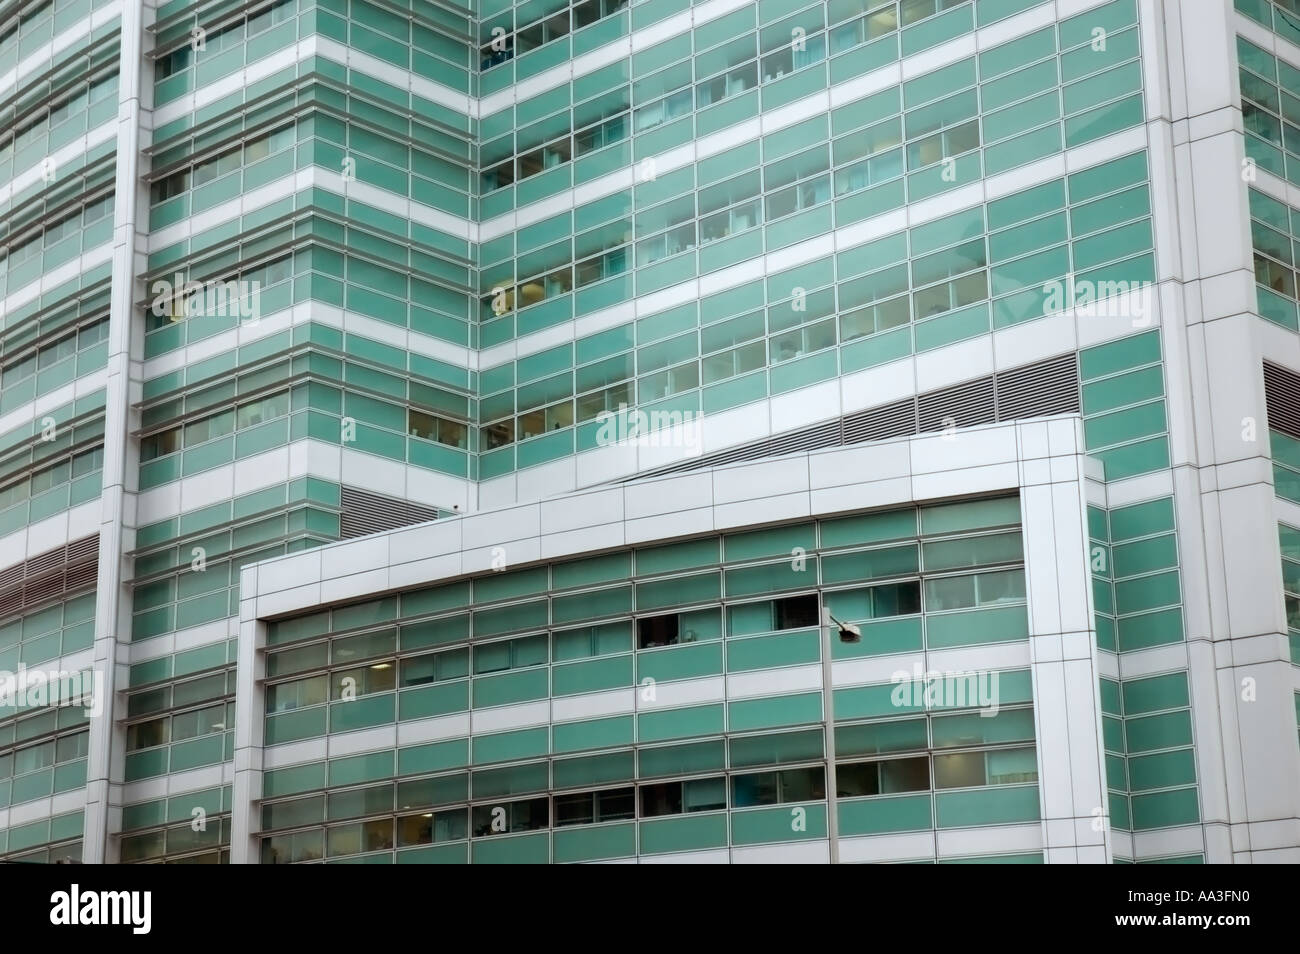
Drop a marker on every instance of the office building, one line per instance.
(459, 433)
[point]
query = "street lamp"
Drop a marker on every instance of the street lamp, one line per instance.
(848, 633)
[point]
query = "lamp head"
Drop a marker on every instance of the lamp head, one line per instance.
(848, 632)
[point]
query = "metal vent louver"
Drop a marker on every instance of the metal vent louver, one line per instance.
(364, 512)
(11, 575)
(11, 604)
(730, 456)
(963, 405)
(1049, 387)
(50, 576)
(805, 439)
(1034, 390)
(1282, 398)
(43, 563)
(82, 575)
(44, 589)
(83, 549)
(879, 423)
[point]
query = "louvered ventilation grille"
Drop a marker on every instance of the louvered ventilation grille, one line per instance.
(879, 423)
(83, 549)
(83, 575)
(49, 576)
(812, 438)
(1035, 390)
(1049, 387)
(10, 576)
(1282, 398)
(364, 512)
(963, 405)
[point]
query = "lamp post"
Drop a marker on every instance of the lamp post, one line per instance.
(848, 633)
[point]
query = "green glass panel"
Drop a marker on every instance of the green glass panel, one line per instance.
(788, 823)
(680, 723)
(595, 844)
(516, 850)
(872, 816)
(991, 806)
(684, 833)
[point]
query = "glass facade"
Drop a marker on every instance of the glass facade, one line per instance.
(674, 778)
(58, 157)
(276, 275)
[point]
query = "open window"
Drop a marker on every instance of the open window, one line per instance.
(775, 788)
(884, 777)
(652, 631)
(508, 817)
(586, 808)
(676, 798)
(693, 626)
(795, 612)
